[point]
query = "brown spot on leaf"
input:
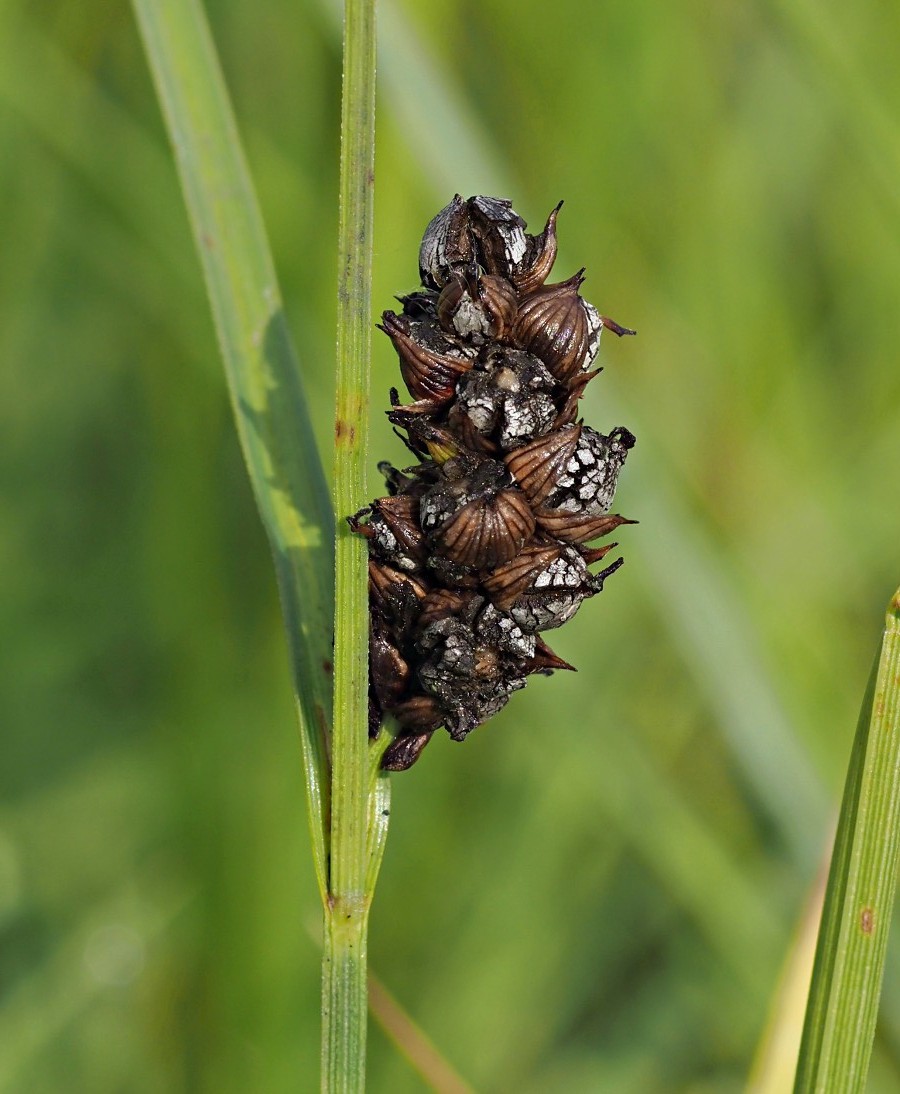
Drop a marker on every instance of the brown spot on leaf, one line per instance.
(344, 432)
(867, 920)
(352, 409)
(328, 667)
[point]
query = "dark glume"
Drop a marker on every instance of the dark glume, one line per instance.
(468, 563)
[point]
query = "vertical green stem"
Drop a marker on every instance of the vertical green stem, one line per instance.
(346, 914)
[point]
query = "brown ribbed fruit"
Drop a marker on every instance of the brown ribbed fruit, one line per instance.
(561, 328)
(539, 258)
(389, 670)
(536, 466)
(394, 530)
(507, 583)
(394, 592)
(446, 245)
(499, 232)
(427, 374)
(487, 532)
(472, 306)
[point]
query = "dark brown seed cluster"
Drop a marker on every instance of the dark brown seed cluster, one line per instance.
(481, 546)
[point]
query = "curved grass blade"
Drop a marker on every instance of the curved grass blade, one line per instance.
(846, 984)
(263, 374)
(412, 1041)
(775, 1062)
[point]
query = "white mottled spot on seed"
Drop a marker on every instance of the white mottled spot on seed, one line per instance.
(470, 317)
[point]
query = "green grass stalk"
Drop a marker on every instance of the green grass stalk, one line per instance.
(349, 798)
(344, 993)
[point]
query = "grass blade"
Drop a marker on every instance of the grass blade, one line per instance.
(263, 374)
(438, 1073)
(775, 1062)
(846, 984)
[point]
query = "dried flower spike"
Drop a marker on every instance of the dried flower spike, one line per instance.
(480, 546)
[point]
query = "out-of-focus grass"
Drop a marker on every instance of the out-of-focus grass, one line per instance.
(597, 890)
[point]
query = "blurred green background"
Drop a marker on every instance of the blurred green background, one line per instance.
(597, 891)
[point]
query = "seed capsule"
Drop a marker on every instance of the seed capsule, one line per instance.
(393, 531)
(500, 233)
(469, 677)
(470, 437)
(446, 245)
(395, 595)
(451, 574)
(418, 712)
(427, 374)
(555, 590)
(405, 749)
(560, 327)
(498, 630)
(487, 532)
(476, 518)
(586, 482)
(540, 254)
(443, 603)
(506, 584)
(477, 308)
(425, 437)
(389, 670)
(471, 711)
(537, 466)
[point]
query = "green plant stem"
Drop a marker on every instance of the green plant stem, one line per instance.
(350, 880)
(846, 984)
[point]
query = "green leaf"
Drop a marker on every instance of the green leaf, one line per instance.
(263, 374)
(846, 985)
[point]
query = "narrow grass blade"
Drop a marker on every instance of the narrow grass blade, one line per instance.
(846, 985)
(438, 1073)
(379, 806)
(263, 375)
(848, 88)
(776, 1056)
